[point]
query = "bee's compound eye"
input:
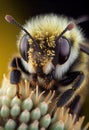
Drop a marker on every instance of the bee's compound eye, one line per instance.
(24, 47)
(62, 51)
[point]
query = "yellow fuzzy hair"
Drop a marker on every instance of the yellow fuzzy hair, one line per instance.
(52, 25)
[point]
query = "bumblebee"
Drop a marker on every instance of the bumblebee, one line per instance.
(54, 57)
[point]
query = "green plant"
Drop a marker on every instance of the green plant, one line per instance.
(33, 111)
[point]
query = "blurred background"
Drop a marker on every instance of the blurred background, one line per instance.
(22, 10)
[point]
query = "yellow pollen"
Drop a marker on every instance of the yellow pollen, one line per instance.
(30, 41)
(46, 33)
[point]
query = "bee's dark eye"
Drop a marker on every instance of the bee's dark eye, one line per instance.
(62, 51)
(24, 47)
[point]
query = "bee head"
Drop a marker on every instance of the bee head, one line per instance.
(44, 50)
(43, 53)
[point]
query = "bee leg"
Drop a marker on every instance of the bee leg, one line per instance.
(75, 105)
(70, 78)
(78, 81)
(15, 75)
(67, 95)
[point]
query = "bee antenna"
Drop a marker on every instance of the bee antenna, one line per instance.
(69, 27)
(84, 48)
(82, 19)
(11, 20)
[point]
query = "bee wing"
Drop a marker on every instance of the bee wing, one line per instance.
(85, 48)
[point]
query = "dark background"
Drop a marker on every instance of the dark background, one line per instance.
(72, 8)
(22, 10)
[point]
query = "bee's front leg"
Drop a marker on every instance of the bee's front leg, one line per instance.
(77, 79)
(15, 75)
(70, 77)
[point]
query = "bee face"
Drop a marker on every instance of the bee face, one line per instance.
(40, 57)
(49, 52)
